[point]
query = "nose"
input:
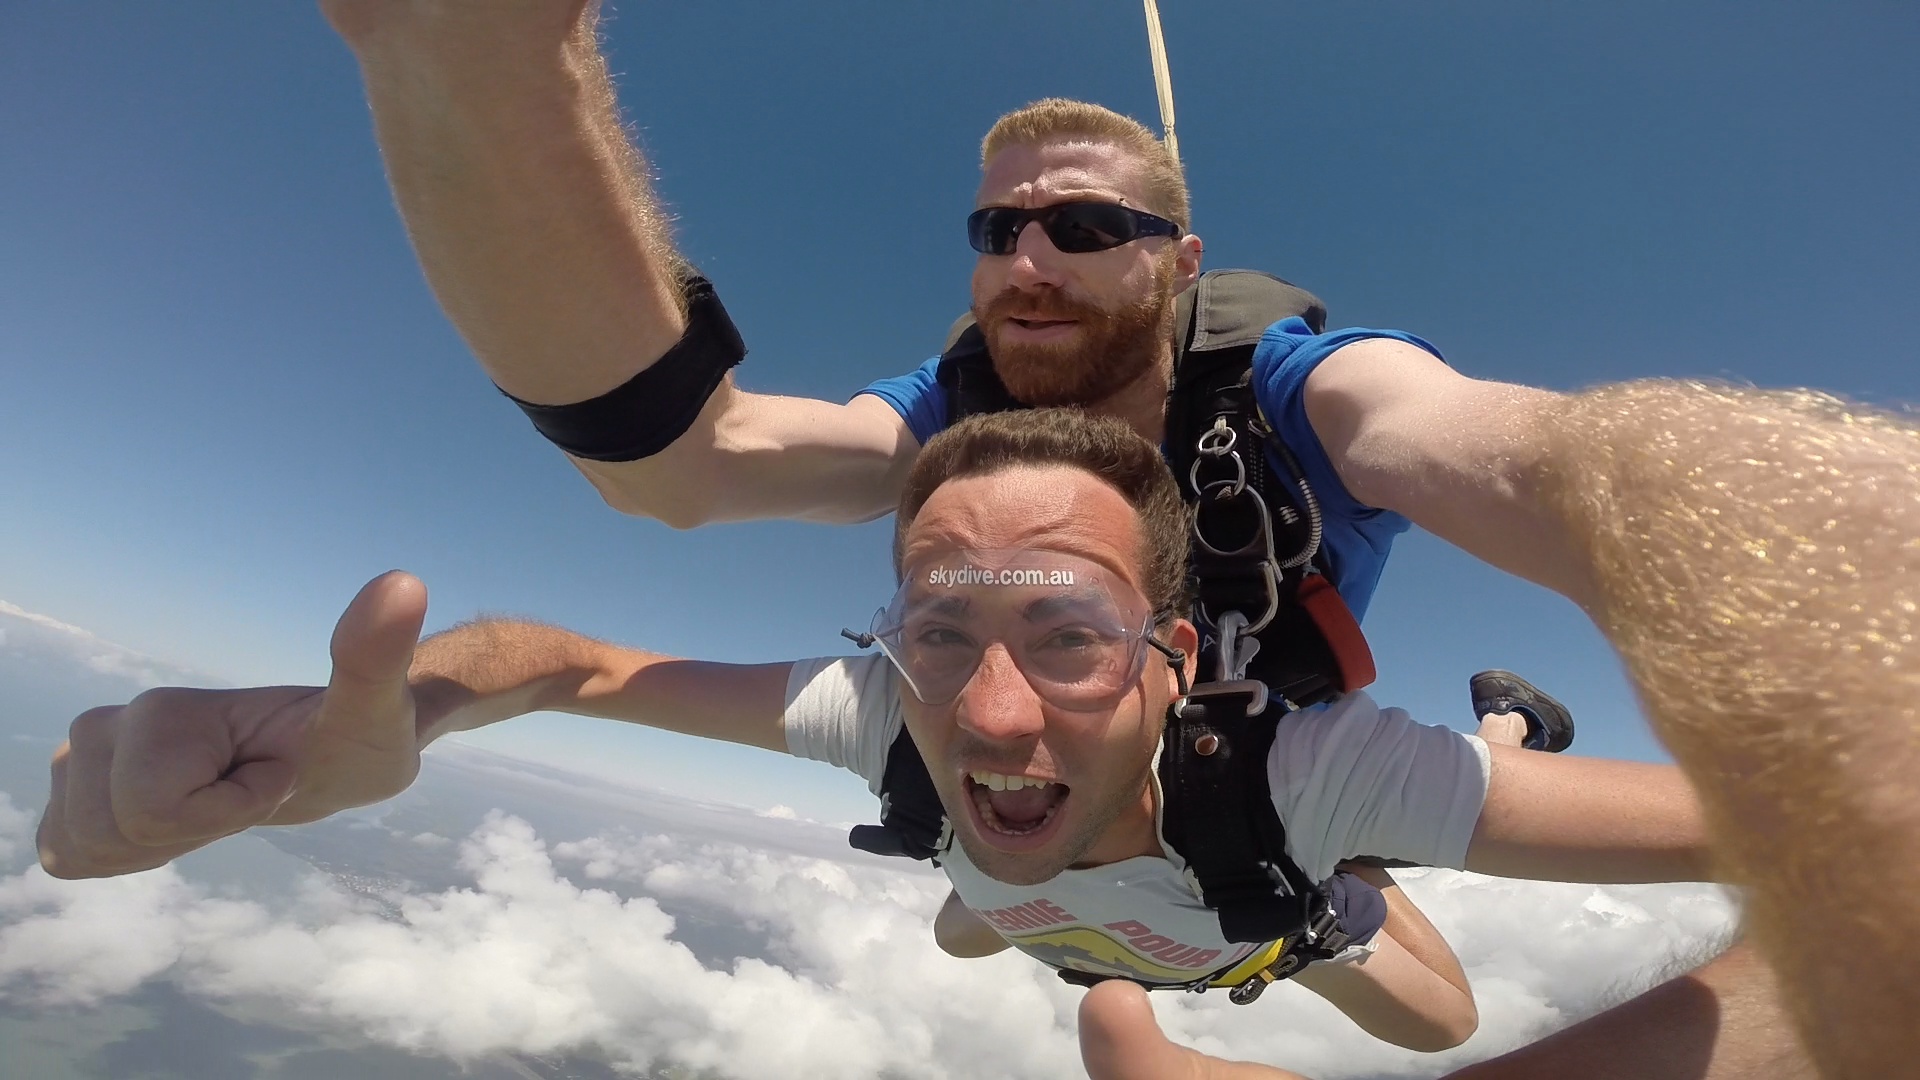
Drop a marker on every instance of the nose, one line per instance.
(998, 705)
(1035, 262)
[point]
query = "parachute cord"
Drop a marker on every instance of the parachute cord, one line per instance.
(1162, 81)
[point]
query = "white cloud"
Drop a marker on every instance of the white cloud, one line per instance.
(16, 830)
(28, 631)
(850, 986)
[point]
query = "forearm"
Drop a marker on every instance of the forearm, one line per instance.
(1551, 817)
(1394, 997)
(483, 672)
(524, 198)
(1409, 926)
(1755, 563)
(1723, 1022)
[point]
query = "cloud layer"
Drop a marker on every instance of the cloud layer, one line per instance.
(565, 946)
(30, 634)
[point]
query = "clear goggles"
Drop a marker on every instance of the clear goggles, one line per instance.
(1076, 631)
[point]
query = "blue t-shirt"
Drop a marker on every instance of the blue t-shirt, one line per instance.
(1357, 537)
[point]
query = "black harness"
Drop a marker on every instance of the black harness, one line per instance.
(1277, 631)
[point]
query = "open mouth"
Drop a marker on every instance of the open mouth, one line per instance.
(1014, 812)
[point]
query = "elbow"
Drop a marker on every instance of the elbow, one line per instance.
(683, 504)
(1446, 1031)
(967, 946)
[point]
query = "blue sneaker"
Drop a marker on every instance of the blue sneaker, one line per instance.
(1549, 724)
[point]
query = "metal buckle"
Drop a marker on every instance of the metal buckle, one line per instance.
(1253, 687)
(1248, 992)
(1235, 652)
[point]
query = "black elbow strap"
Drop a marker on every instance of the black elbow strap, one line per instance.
(645, 414)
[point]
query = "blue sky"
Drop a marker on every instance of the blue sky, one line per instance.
(229, 398)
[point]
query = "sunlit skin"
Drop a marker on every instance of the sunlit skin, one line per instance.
(999, 724)
(1044, 174)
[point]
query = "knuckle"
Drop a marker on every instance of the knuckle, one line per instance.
(92, 729)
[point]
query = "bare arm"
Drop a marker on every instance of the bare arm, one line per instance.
(1550, 817)
(1756, 564)
(1458, 456)
(1392, 996)
(1412, 929)
(959, 932)
(1723, 1022)
(531, 213)
(1751, 554)
(483, 672)
(138, 785)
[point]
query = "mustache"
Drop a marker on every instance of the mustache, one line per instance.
(971, 753)
(1048, 303)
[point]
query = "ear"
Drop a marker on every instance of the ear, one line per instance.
(1184, 636)
(1186, 264)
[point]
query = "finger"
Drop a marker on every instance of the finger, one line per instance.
(180, 772)
(367, 697)
(53, 839)
(79, 836)
(1121, 1040)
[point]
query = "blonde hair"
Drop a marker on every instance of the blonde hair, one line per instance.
(1061, 119)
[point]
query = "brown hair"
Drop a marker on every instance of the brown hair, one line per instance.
(1060, 119)
(1102, 445)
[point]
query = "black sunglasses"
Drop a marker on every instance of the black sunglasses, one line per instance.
(1074, 227)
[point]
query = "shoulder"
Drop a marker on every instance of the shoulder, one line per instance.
(843, 710)
(1352, 740)
(1290, 351)
(918, 397)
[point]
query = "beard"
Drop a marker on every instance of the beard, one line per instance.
(1115, 348)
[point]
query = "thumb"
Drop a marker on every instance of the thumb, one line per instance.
(372, 651)
(1121, 1040)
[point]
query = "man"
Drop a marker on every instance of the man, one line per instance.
(1034, 649)
(532, 217)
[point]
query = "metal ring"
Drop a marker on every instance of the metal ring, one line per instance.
(1210, 442)
(1239, 481)
(1263, 536)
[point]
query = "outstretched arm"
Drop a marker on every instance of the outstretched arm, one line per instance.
(530, 210)
(1550, 817)
(1752, 556)
(137, 786)
(487, 671)
(1722, 1022)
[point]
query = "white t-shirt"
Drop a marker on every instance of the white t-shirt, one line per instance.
(1348, 778)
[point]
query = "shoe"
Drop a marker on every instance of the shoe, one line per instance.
(1549, 724)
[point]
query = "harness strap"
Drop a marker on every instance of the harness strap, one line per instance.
(1218, 814)
(912, 821)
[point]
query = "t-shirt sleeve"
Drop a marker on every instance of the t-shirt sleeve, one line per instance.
(845, 711)
(1350, 779)
(1288, 352)
(918, 397)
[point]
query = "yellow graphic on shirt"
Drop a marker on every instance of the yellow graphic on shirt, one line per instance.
(1098, 952)
(1128, 949)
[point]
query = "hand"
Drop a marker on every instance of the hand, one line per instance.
(1121, 1040)
(138, 785)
